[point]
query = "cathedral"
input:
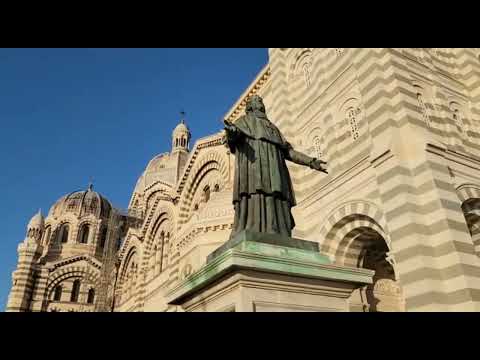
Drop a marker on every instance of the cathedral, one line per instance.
(400, 131)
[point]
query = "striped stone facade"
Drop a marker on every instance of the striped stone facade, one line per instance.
(400, 130)
(60, 259)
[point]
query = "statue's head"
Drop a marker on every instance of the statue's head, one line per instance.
(255, 103)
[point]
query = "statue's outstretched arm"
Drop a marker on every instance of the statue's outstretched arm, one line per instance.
(232, 135)
(302, 159)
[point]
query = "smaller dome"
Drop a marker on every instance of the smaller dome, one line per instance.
(181, 137)
(182, 127)
(82, 203)
(37, 221)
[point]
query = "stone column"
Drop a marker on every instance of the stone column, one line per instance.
(23, 278)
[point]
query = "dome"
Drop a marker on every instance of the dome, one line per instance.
(158, 169)
(37, 221)
(180, 137)
(82, 203)
(181, 128)
(158, 163)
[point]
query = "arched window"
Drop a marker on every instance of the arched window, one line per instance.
(57, 296)
(84, 232)
(306, 74)
(317, 144)
(457, 117)
(153, 259)
(423, 108)
(103, 237)
(63, 233)
(46, 238)
(75, 291)
(206, 193)
(352, 120)
(91, 296)
(159, 254)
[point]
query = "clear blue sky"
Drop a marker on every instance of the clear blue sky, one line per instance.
(71, 115)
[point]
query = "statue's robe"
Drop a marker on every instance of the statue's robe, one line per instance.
(262, 194)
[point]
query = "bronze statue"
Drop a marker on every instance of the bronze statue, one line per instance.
(263, 194)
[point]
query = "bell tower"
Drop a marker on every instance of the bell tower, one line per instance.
(181, 136)
(180, 146)
(23, 277)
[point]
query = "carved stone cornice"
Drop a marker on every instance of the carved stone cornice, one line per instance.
(468, 160)
(90, 260)
(215, 140)
(191, 235)
(253, 89)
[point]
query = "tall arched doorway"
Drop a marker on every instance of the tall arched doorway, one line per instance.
(359, 241)
(471, 211)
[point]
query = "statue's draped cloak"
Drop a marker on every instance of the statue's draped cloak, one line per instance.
(263, 193)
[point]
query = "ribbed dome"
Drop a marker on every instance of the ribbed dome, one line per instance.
(157, 163)
(158, 169)
(37, 221)
(181, 128)
(82, 203)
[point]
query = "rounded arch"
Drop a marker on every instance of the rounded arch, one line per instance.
(47, 234)
(63, 232)
(314, 132)
(155, 189)
(129, 274)
(202, 191)
(155, 214)
(340, 240)
(89, 275)
(152, 194)
(85, 231)
(162, 224)
(351, 101)
(91, 295)
(348, 214)
(57, 292)
(303, 56)
(131, 255)
(468, 191)
(458, 115)
(211, 161)
(132, 240)
(424, 98)
(102, 236)
(355, 236)
(469, 195)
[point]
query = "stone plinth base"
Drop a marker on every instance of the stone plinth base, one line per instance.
(257, 276)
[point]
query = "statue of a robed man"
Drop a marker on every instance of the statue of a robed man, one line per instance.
(263, 194)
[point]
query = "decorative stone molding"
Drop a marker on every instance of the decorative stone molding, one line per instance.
(253, 89)
(90, 260)
(387, 287)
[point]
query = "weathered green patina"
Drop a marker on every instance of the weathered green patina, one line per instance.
(265, 257)
(266, 238)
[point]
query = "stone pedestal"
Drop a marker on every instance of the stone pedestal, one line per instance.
(255, 276)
